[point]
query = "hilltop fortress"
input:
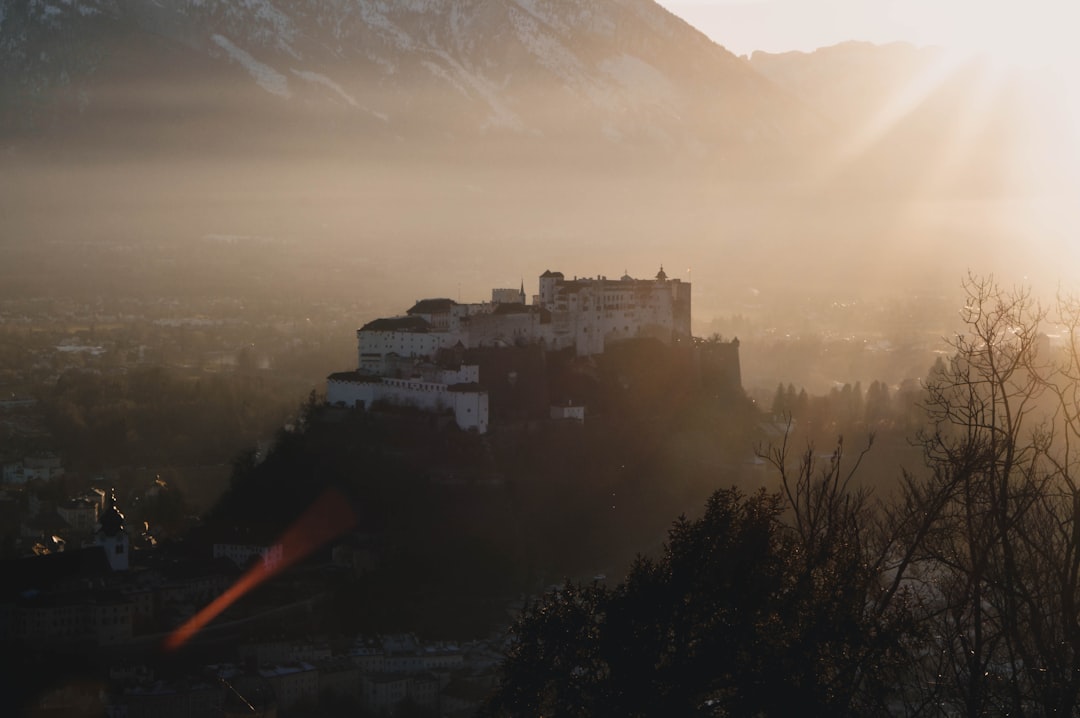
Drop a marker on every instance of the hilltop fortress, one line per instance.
(396, 355)
(583, 313)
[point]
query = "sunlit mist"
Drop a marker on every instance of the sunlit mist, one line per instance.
(524, 281)
(1012, 33)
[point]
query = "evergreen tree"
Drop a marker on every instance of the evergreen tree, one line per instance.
(779, 405)
(802, 404)
(742, 615)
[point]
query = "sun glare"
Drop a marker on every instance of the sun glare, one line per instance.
(1009, 33)
(1026, 58)
(1024, 73)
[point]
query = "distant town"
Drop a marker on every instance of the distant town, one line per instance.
(127, 420)
(416, 359)
(111, 580)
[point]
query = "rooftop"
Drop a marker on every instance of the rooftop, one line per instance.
(432, 306)
(512, 308)
(398, 324)
(355, 377)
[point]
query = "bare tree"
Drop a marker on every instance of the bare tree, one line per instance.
(996, 555)
(980, 552)
(959, 595)
(841, 542)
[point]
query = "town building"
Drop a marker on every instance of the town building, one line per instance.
(33, 468)
(590, 313)
(465, 400)
(113, 537)
(81, 513)
(584, 313)
(241, 554)
(293, 683)
(396, 354)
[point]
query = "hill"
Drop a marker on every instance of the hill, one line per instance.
(192, 76)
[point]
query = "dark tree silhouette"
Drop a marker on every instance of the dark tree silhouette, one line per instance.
(742, 615)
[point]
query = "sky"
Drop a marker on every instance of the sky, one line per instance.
(1022, 32)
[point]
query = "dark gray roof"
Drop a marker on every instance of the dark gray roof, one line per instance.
(465, 387)
(354, 376)
(111, 521)
(397, 324)
(471, 387)
(511, 308)
(432, 306)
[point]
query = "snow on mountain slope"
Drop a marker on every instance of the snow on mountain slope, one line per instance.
(609, 68)
(265, 76)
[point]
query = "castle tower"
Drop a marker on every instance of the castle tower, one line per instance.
(112, 535)
(548, 281)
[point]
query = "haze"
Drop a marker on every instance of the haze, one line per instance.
(855, 174)
(214, 215)
(1019, 33)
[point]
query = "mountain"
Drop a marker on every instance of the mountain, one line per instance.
(909, 112)
(577, 81)
(850, 82)
(192, 72)
(406, 148)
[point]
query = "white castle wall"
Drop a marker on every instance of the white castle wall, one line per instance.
(586, 314)
(374, 345)
(469, 406)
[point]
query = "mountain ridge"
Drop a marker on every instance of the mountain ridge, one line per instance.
(621, 71)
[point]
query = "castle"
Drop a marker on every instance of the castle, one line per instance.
(584, 314)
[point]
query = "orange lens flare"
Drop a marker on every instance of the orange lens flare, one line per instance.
(326, 519)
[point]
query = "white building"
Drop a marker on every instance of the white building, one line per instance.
(33, 468)
(569, 413)
(293, 683)
(81, 513)
(589, 313)
(112, 536)
(242, 554)
(465, 400)
(584, 313)
(508, 296)
(407, 337)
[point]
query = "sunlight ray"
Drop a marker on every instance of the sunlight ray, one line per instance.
(903, 102)
(326, 519)
(966, 130)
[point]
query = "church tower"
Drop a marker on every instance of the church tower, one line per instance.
(112, 536)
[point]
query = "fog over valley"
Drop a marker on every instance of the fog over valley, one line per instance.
(494, 140)
(537, 357)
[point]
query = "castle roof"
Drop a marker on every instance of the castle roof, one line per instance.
(397, 324)
(111, 521)
(466, 387)
(511, 308)
(355, 377)
(432, 306)
(548, 274)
